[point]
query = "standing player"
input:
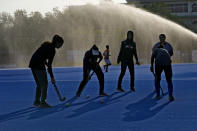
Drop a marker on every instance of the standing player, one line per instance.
(106, 58)
(166, 45)
(127, 51)
(42, 57)
(91, 61)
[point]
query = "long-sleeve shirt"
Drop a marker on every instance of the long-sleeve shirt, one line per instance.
(43, 56)
(166, 45)
(127, 51)
(91, 60)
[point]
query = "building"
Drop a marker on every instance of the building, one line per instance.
(185, 9)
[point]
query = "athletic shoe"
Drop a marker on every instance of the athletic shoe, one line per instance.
(36, 103)
(120, 89)
(78, 95)
(133, 89)
(103, 94)
(44, 105)
(171, 98)
(158, 97)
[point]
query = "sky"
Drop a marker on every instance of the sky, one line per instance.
(42, 6)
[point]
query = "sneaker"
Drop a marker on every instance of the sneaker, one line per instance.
(171, 98)
(44, 105)
(120, 89)
(36, 103)
(133, 89)
(158, 97)
(78, 94)
(103, 94)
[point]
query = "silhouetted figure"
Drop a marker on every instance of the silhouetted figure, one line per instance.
(91, 61)
(42, 57)
(162, 63)
(127, 51)
(106, 55)
(166, 45)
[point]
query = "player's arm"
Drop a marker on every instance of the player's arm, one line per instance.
(49, 64)
(171, 50)
(135, 55)
(100, 57)
(152, 61)
(120, 53)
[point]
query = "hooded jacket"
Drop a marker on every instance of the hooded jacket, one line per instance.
(127, 51)
(90, 60)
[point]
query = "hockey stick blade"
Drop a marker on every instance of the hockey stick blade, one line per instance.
(58, 94)
(63, 99)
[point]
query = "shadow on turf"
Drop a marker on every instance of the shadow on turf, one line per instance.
(17, 114)
(89, 103)
(36, 113)
(143, 109)
(137, 111)
(96, 105)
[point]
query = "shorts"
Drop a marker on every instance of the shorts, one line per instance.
(107, 61)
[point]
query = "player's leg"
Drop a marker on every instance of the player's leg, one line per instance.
(38, 89)
(168, 74)
(123, 70)
(132, 76)
(100, 76)
(83, 82)
(158, 71)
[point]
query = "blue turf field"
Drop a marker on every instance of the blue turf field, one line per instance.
(119, 112)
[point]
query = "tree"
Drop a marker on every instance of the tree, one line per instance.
(163, 10)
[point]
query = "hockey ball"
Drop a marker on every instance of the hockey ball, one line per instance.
(67, 104)
(87, 96)
(101, 101)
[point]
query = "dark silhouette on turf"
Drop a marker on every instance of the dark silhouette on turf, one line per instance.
(42, 57)
(162, 63)
(91, 61)
(127, 51)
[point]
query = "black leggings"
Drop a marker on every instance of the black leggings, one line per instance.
(168, 74)
(124, 65)
(167, 70)
(86, 72)
(40, 77)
